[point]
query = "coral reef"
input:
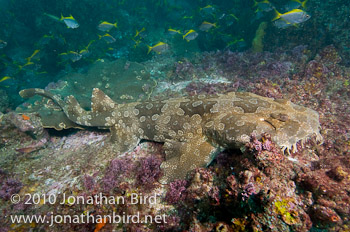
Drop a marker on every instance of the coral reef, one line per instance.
(255, 188)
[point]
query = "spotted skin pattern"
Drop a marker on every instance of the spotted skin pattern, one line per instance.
(193, 129)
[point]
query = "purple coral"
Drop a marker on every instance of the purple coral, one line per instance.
(9, 186)
(149, 172)
(176, 191)
(116, 171)
(255, 143)
(89, 182)
(248, 190)
(184, 68)
(265, 145)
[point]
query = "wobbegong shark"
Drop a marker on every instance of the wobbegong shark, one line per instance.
(193, 129)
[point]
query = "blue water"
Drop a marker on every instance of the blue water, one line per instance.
(26, 27)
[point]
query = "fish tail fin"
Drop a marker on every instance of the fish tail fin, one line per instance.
(99, 36)
(278, 15)
(303, 4)
(62, 17)
(115, 24)
(149, 49)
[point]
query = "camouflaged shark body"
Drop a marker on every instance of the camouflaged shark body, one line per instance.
(193, 129)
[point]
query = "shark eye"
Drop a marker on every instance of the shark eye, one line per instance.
(281, 117)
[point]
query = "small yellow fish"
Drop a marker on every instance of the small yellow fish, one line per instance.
(139, 32)
(71, 55)
(190, 35)
(174, 32)
(106, 26)
(293, 16)
(26, 64)
(137, 42)
(264, 5)
(205, 26)
(236, 44)
(158, 48)
(45, 40)
(233, 42)
(85, 51)
(207, 9)
(5, 78)
(31, 57)
(303, 4)
(70, 21)
(107, 37)
(295, 4)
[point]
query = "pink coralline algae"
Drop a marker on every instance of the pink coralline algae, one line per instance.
(248, 191)
(9, 186)
(89, 182)
(117, 170)
(202, 186)
(184, 68)
(176, 192)
(264, 145)
(316, 69)
(149, 172)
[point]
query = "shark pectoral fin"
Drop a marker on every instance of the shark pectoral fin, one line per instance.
(196, 152)
(172, 148)
(123, 140)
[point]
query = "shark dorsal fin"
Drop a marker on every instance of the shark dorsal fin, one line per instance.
(100, 102)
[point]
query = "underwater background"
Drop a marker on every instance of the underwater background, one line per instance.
(161, 49)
